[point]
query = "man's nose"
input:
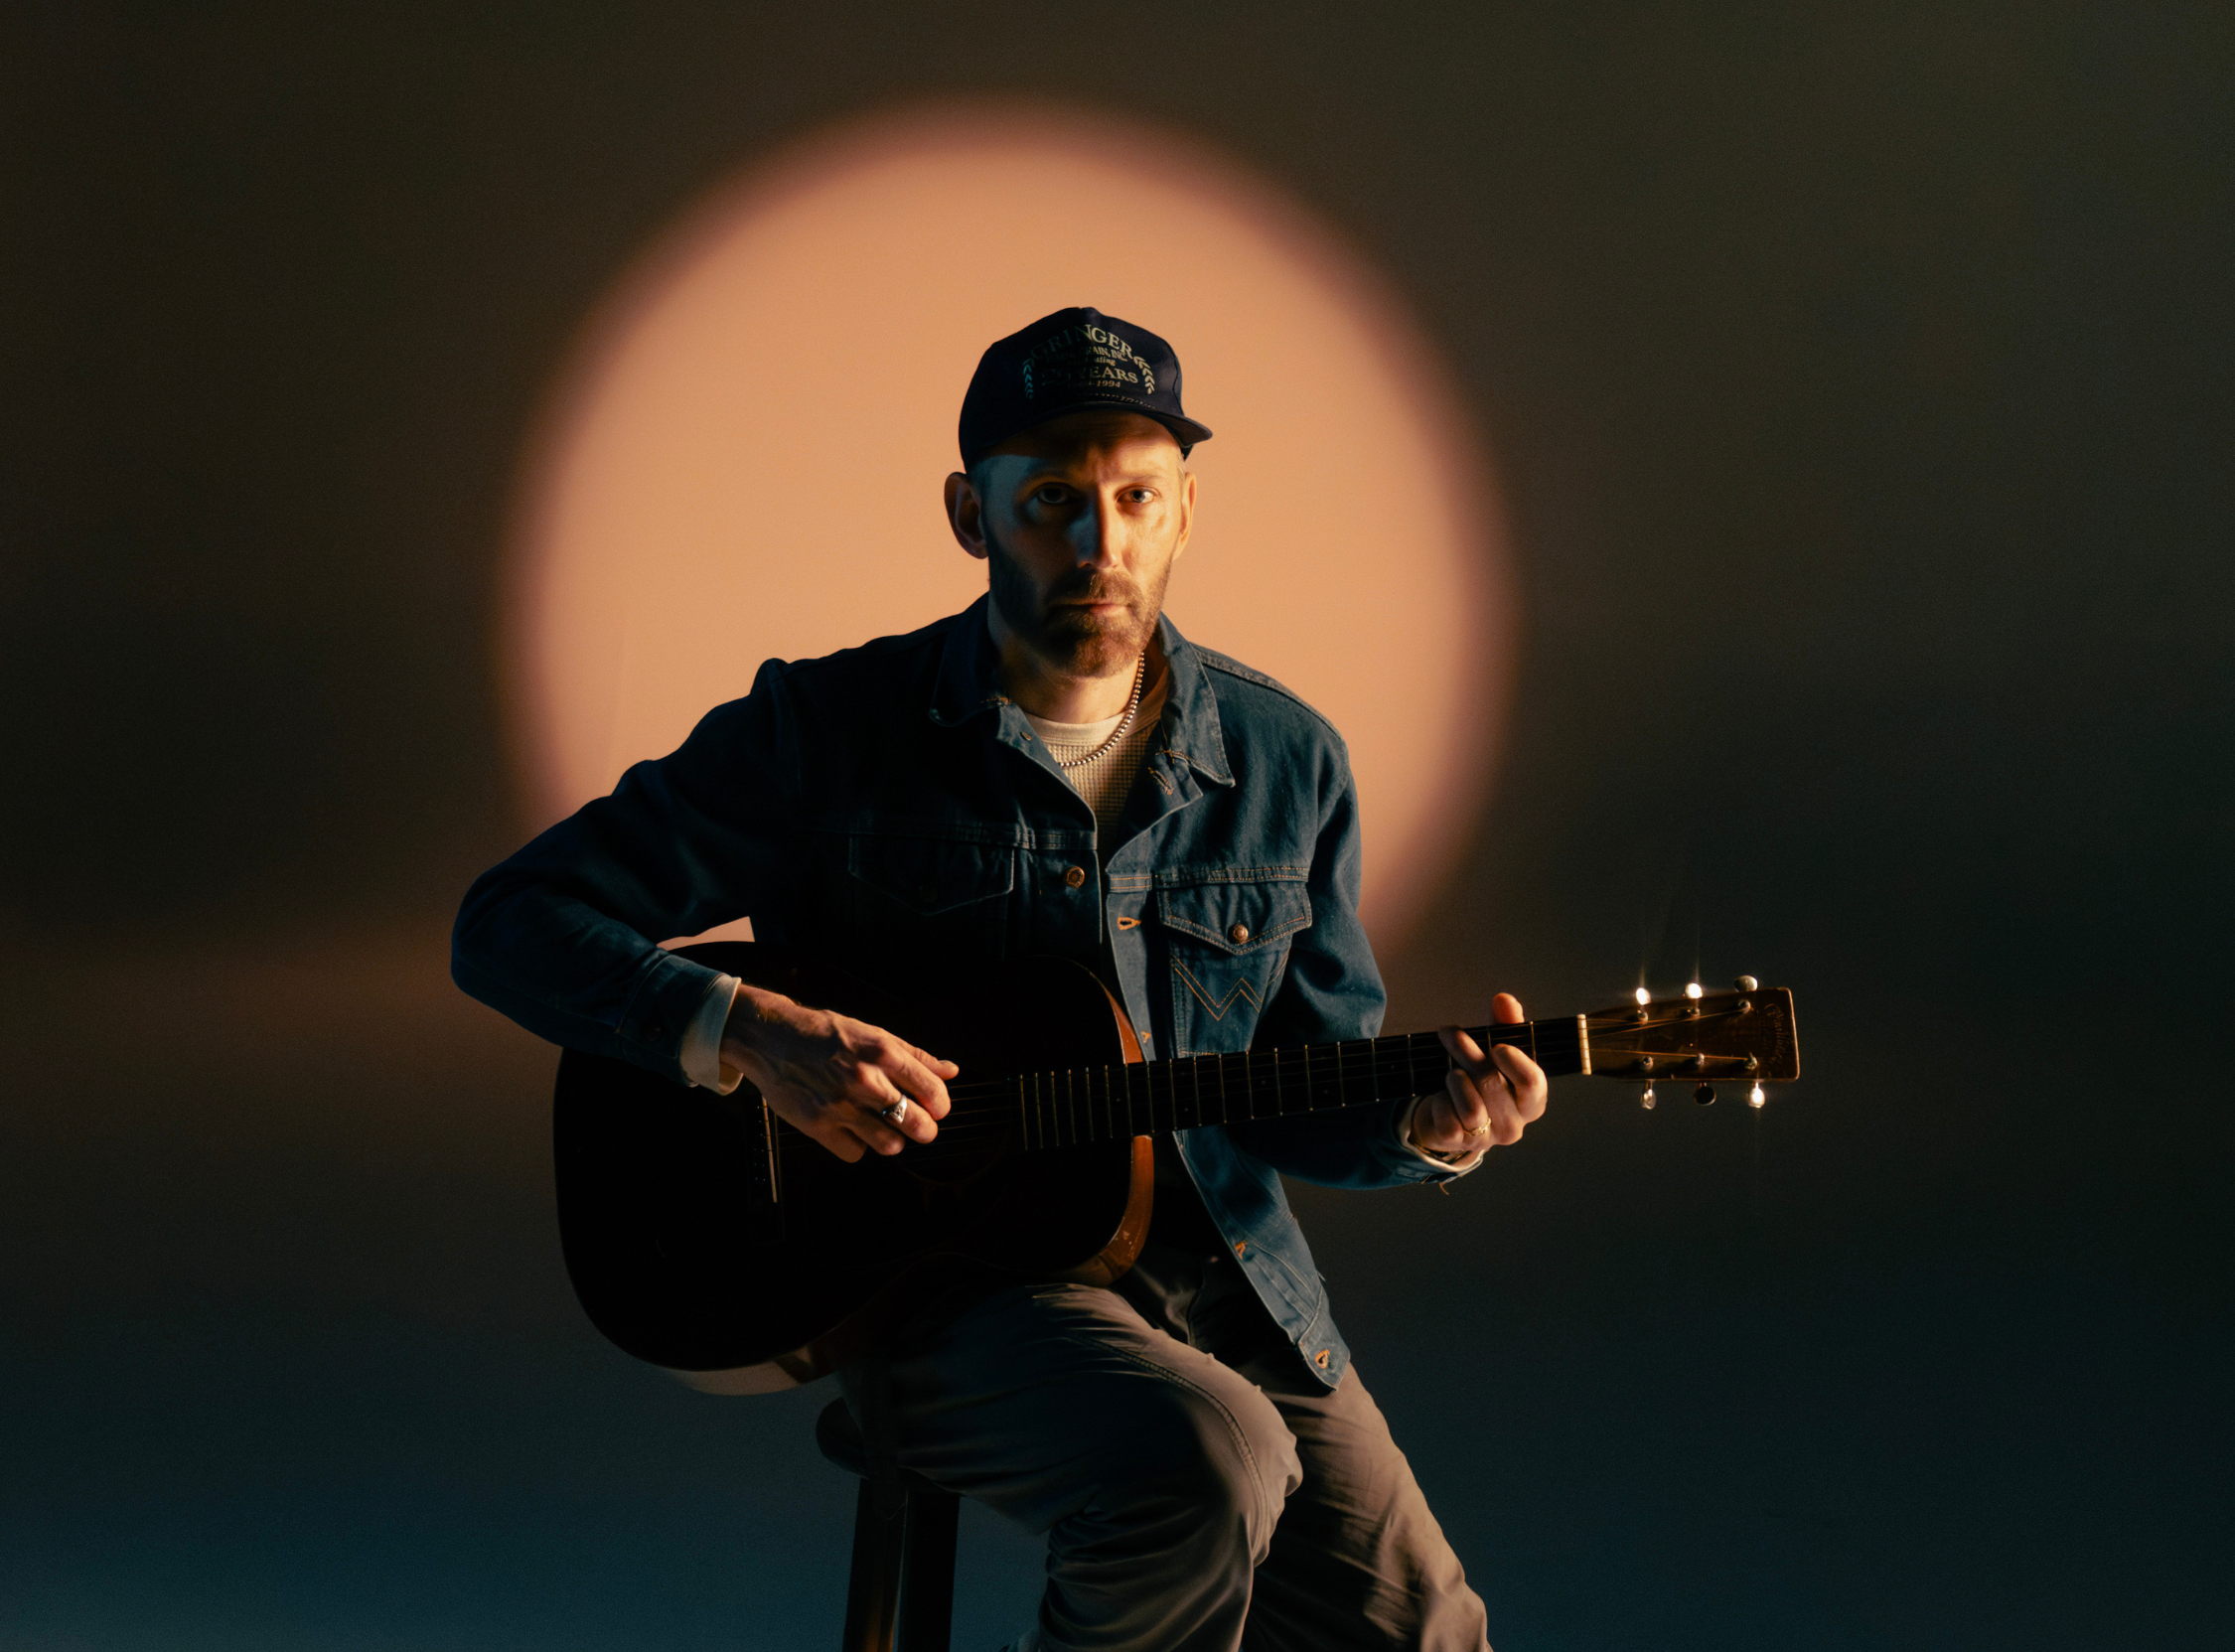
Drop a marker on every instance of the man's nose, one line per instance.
(1094, 534)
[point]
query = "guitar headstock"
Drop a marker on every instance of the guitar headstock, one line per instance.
(1746, 1036)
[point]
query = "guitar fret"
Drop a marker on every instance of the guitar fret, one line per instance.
(1074, 1106)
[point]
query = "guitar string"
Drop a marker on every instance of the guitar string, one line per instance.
(1413, 1041)
(1393, 1064)
(1554, 1032)
(1393, 1071)
(1396, 1068)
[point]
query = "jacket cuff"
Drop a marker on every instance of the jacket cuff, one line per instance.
(1398, 1158)
(1459, 1166)
(661, 1009)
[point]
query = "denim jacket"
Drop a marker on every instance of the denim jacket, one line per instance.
(890, 799)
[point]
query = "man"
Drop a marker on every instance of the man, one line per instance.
(1057, 771)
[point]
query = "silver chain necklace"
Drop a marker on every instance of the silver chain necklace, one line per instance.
(1133, 709)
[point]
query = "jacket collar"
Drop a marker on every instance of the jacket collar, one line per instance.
(970, 684)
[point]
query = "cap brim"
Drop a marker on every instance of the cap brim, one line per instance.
(1186, 431)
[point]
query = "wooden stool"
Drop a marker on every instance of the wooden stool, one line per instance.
(903, 1576)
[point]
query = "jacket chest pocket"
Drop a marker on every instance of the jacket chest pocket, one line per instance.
(915, 901)
(1226, 944)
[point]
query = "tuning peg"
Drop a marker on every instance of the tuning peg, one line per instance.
(1746, 984)
(1705, 1095)
(1644, 998)
(1646, 1101)
(1754, 1097)
(1692, 991)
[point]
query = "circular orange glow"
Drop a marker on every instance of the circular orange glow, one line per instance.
(745, 458)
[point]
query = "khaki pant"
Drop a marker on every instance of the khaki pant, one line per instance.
(1200, 1489)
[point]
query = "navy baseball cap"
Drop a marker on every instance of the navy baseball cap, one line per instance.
(1064, 364)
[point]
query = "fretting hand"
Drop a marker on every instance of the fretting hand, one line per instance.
(852, 1085)
(1488, 1099)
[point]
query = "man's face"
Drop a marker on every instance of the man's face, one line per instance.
(1079, 520)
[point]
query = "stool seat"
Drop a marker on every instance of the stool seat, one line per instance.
(900, 1596)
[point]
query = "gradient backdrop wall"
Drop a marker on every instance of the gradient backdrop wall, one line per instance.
(1847, 391)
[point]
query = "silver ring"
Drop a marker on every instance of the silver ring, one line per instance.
(897, 1114)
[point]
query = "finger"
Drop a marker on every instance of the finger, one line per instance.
(1470, 1056)
(875, 1124)
(917, 1074)
(1525, 1080)
(839, 1142)
(1506, 1008)
(1460, 1046)
(923, 1092)
(1433, 1125)
(1506, 1122)
(1469, 1108)
(874, 1133)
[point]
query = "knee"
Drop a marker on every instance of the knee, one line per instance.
(1222, 1465)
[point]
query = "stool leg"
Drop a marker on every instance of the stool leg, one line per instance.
(873, 1587)
(927, 1571)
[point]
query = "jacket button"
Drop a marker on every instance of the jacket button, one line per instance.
(1240, 1244)
(1320, 1359)
(1238, 934)
(654, 1032)
(1076, 877)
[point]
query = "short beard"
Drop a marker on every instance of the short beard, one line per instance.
(1072, 642)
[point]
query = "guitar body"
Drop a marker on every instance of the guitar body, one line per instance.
(704, 1234)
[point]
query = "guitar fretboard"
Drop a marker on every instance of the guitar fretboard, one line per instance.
(1078, 1105)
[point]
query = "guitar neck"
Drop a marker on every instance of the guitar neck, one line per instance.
(1080, 1104)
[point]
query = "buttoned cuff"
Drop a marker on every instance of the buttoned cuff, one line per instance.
(701, 1055)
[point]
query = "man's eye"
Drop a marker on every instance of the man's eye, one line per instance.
(1052, 494)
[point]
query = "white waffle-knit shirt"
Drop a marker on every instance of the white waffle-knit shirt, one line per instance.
(1108, 781)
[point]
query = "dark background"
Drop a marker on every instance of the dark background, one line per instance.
(1858, 379)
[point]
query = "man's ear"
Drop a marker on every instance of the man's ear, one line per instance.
(965, 515)
(1187, 514)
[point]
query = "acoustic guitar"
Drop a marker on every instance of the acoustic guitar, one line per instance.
(704, 1233)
